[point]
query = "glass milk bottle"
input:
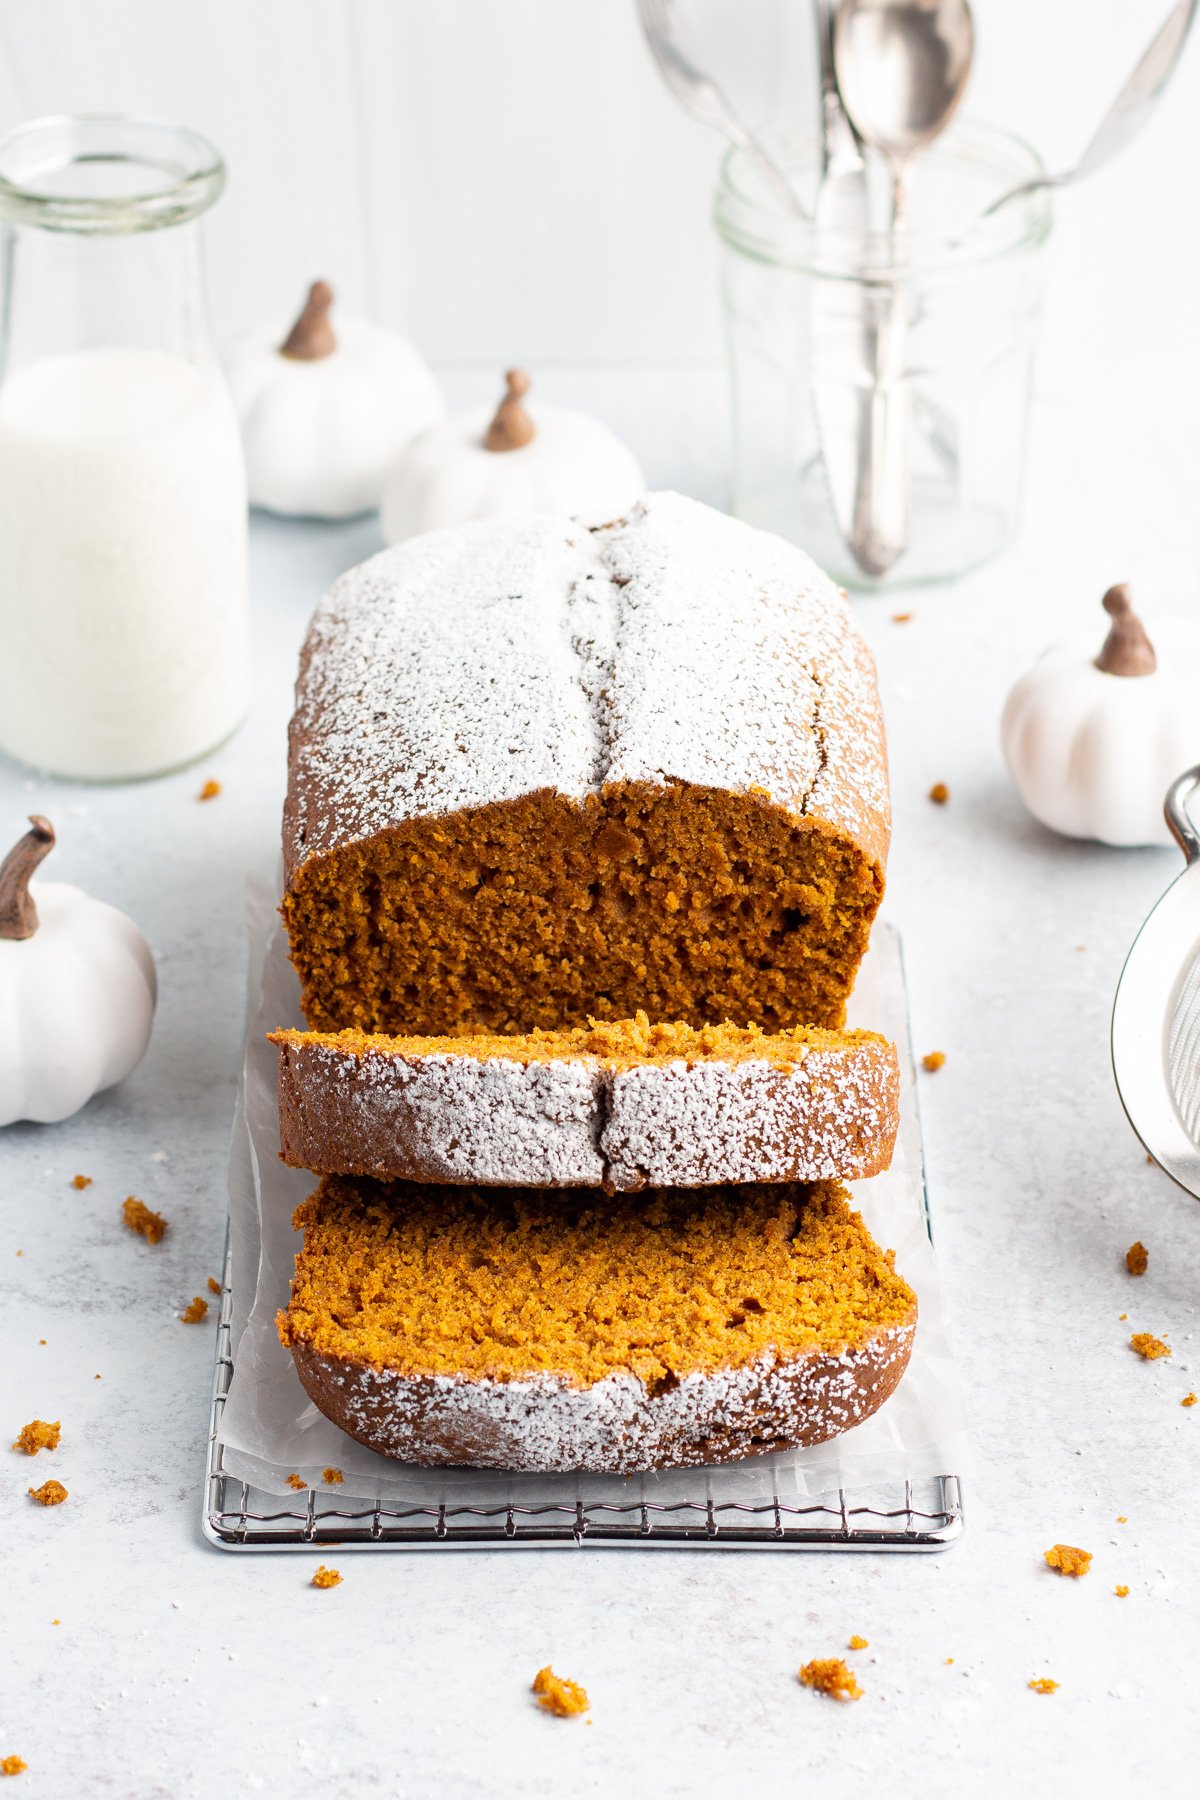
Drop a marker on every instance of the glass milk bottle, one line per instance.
(123, 619)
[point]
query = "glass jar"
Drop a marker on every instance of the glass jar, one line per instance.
(123, 614)
(872, 372)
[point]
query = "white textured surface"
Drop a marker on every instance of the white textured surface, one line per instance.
(679, 645)
(176, 1672)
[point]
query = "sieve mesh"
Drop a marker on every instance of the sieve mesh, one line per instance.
(1183, 1051)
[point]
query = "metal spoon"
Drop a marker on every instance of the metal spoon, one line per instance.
(703, 99)
(902, 67)
(1129, 111)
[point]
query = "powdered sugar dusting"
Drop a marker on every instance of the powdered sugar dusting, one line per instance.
(487, 661)
(501, 1120)
(695, 1124)
(546, 1425)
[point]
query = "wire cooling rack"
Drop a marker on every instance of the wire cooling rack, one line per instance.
(924, 1515)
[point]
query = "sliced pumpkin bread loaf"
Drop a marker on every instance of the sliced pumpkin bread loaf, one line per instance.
(622, 1105)
(513, 1329)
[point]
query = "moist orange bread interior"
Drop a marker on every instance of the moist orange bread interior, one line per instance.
(618, 1043)
(688, 903)
(505, 1284)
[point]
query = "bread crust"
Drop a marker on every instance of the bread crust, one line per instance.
(355, 1108)
(545, 1426)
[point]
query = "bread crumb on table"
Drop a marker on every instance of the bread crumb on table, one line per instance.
(829, 1675)
(901, 618)
(325, 1578)
(195, 1312)
(81, 1181)
(1121, 1591)
(1066, 1559)
(333, 1476)
(1044, 1685)
(859, 1643)
(51, 1493)
(1122, 1519)
(1137, 1258)
(1149, 1346)
(12, 1765)
(1188, 1400)
(139, 1218)
(296, 1481)
(939, 793)
(557, 1695)
(39, 1434)
(209, 791)
(933, 1060)
(213, 1285)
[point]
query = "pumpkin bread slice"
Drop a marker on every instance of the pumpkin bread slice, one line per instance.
(621, 1105)
(513, 1329)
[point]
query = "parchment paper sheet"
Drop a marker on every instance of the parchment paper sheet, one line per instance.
(271, 1429)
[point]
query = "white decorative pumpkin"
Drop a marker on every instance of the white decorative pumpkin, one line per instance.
(325, 415)
(508, 464)
(77, 990)
(1094, 742)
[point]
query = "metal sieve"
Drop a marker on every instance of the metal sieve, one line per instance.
(1156, 1012)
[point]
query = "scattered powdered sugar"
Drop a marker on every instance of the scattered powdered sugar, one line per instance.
(499, 1120)
(544, 1424)
(487, 661)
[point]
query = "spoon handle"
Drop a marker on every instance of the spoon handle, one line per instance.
(881, 502)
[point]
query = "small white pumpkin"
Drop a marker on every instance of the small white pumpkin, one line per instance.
(77, 990)
(1094, 742)
(509, 464)
(324, 416)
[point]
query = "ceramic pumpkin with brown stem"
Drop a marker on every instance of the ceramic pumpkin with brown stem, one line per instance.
(77, 989)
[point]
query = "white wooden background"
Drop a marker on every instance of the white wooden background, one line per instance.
(508, 180)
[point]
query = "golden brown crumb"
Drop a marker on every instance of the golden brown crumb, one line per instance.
(325, 1578)
(41, 1340)
(39, 1434)
(933, 1061)
(1188, 1400)
(138, 1217)
(195, 1312)
(214, 1286)
(1121, 1592)
(1122, 1317)
(859, 1643)
(81, 1181)
(829, 1675)
(1148, 1346)
(1137, 1258)
(97, 1377)
(949, 1660)
(296, 1481)
(901, 618)
(939, 793)
(209, 791)
(1121, 1519)
(1044, 1685)
(12, 1765)
(557, 1695)
(334, 1477)
(51, 1493)
(56, 1621)
(1065, 1559)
